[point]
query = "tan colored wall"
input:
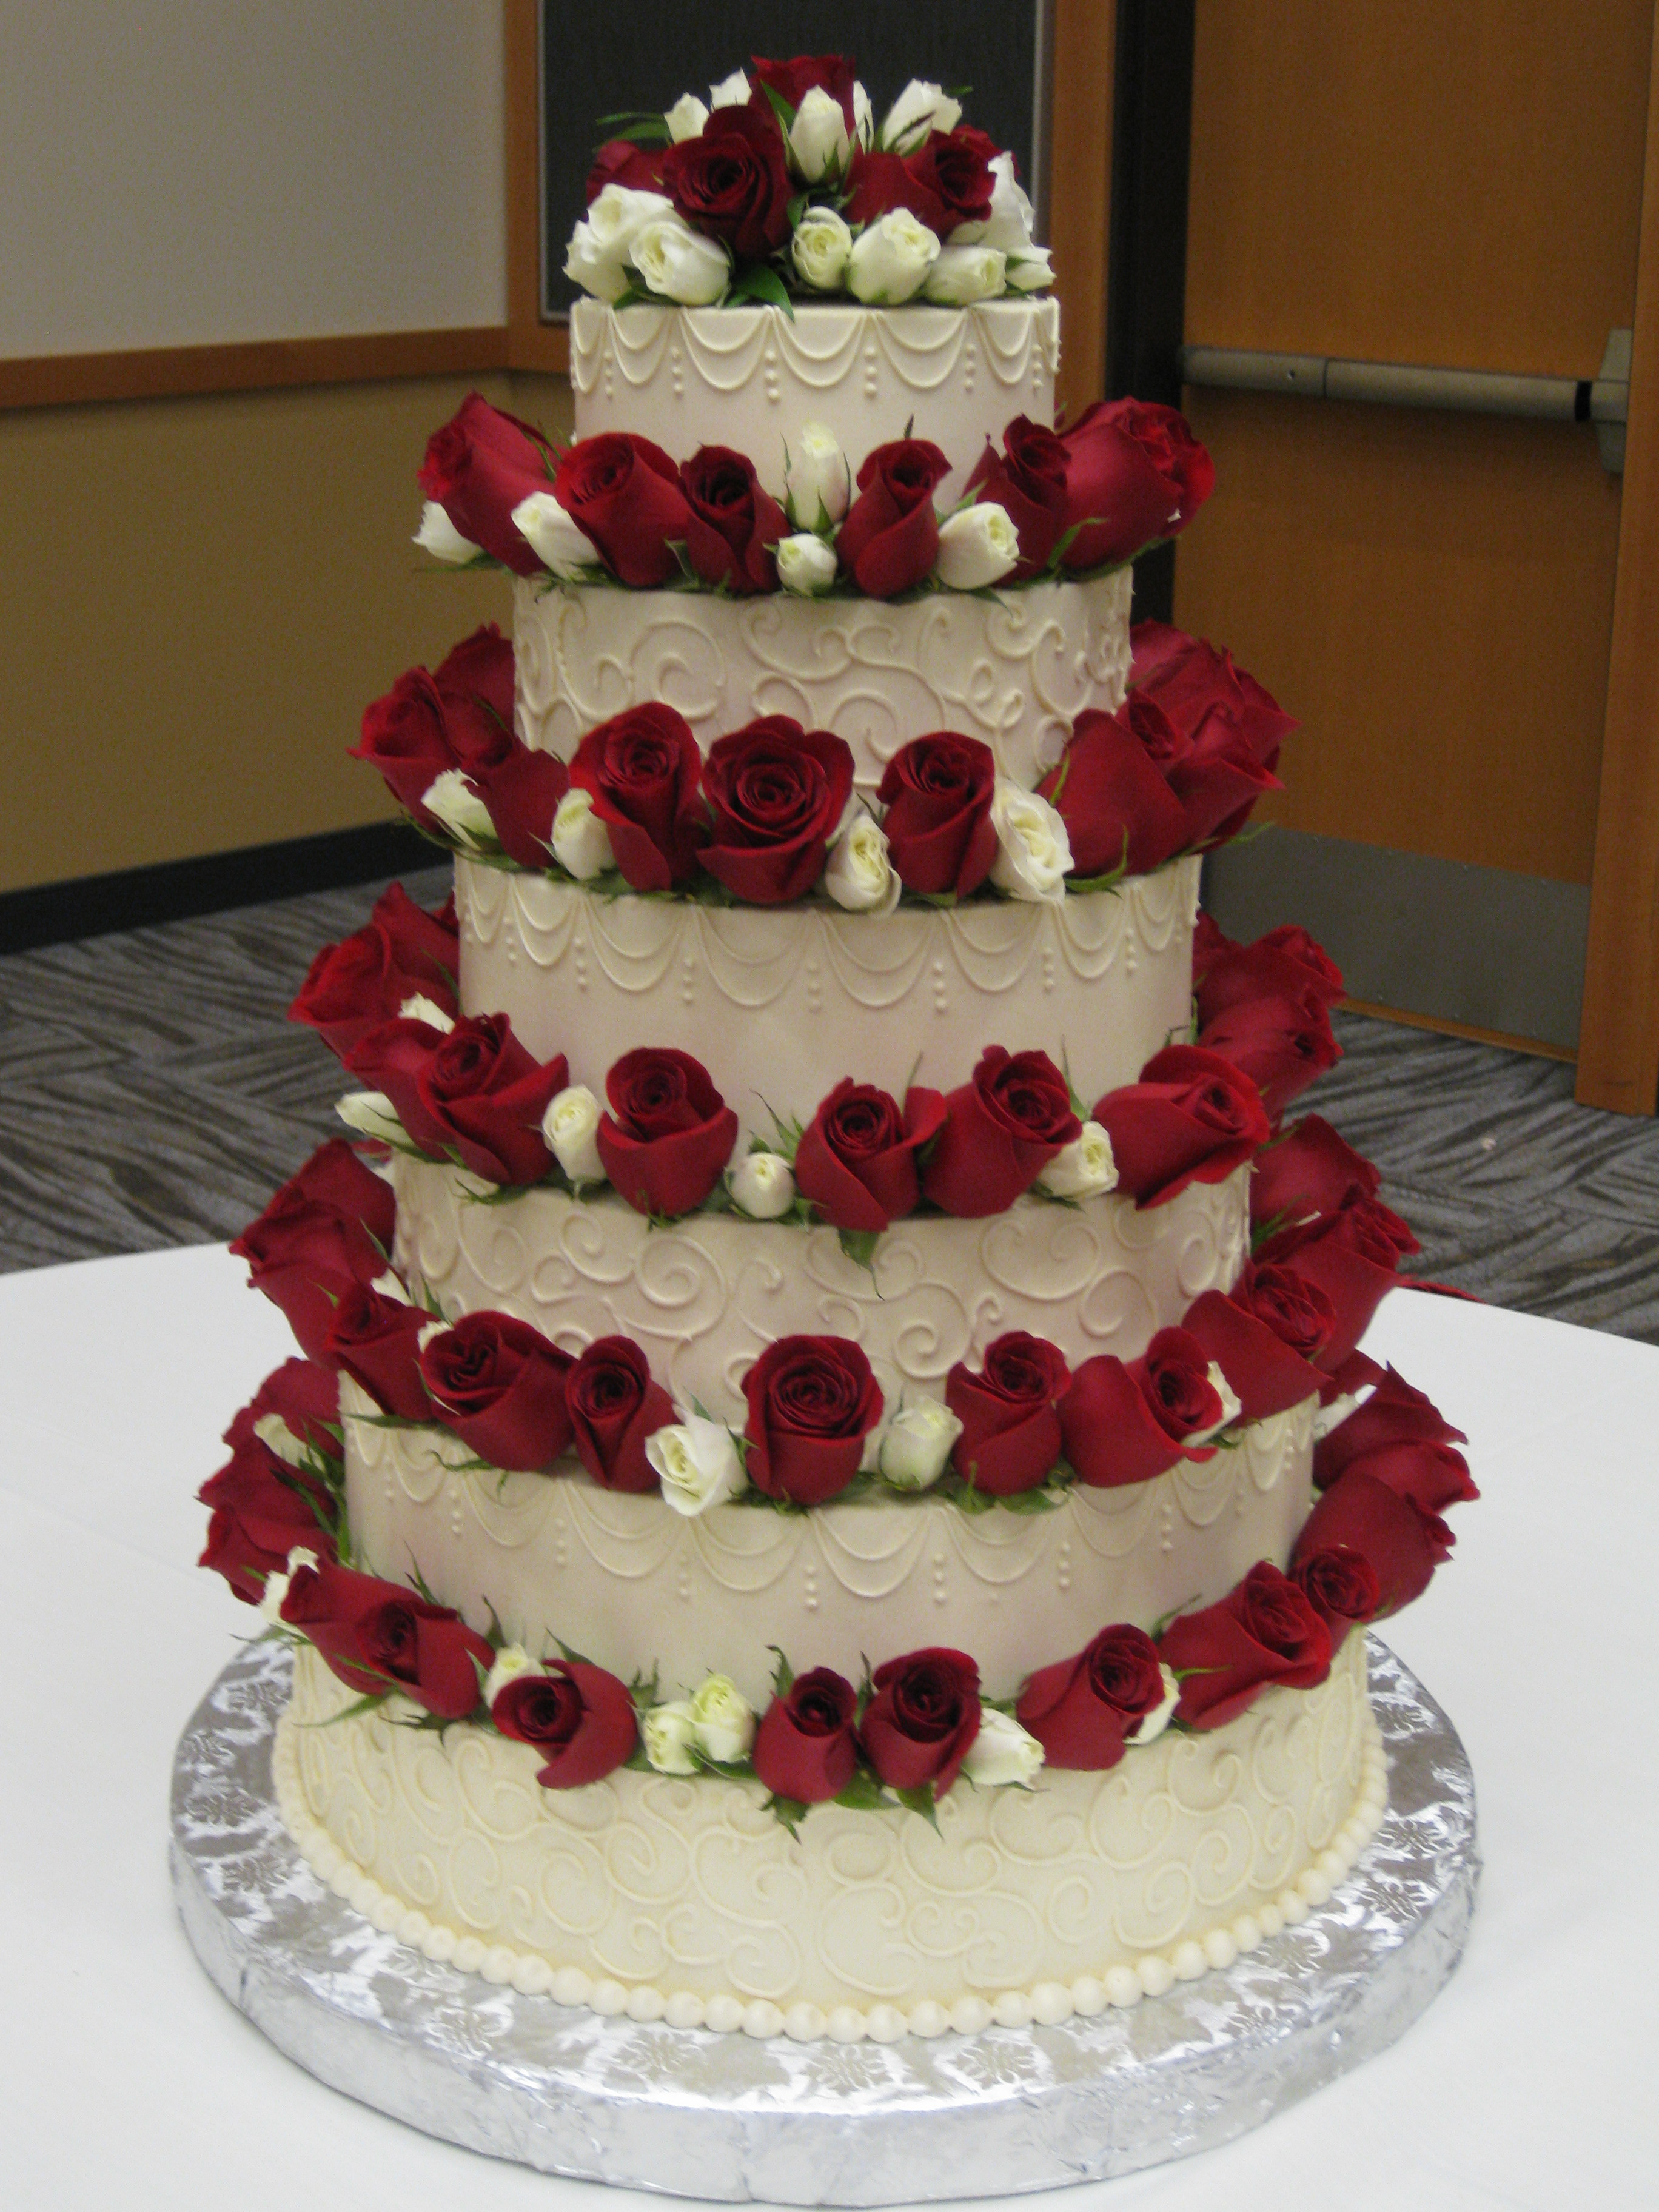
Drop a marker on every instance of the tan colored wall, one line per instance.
(200, 597)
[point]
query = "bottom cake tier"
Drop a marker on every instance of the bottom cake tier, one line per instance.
(686, 1900)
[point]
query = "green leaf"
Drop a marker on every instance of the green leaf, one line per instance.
(1041, 1499)
(760, 281)
(920, 1799)
(363, 1705)
(972, 1500)
(789, 1812)
(863, 1794)
(643, 126)
(859, 1246)
(780, 107)
(783, 1674)
(1109, 881)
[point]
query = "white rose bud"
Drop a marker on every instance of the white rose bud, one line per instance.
(724, 1720)
(860, 875)
(558, 541)
(681, 264)
(275, 1589)
(864, 119)
(919, 108)
(420, 1008)
(963, 274)
(1008, 226)
(1031, 271)
(977, 545)
(581, 843)
(817, 137)
(1231, 1408)
(597, 256)
(763, 1186)
(1157, 1720)
(439, 537)
(451, 799)
(570, 1131)
(668, 1734)
(1003, 1752)
(698, 1463)
(916, 1444)
(806, 565)
(511, 1661)
(1084, 1169)
(1327, 1418)
(821, 248)
(275, 1434)
(686, 118)
(731, 92)
(890, 259)
(372, 1114)
(1033, 849)
(816, 476)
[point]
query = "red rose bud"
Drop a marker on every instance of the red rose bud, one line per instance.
(354, 987)
(922, 1721)
(856, 1161)
(304, 1396)
(642, 770)
(793, 79)
(580, 1718)
(261, 1508)
(373, 1340)
(889, 540)
(620, 161)
(954, 168)
(1110, 791)
(1393, 1414)
(806, 1745)
(1124, 1421)
(377, 1636)
(1000, 1131)
(1282, 1044)
(1286, 963)
(1203, 694)
(1307, 1175)
(1403, 1544)
(776, 793)
(734, 524)
(1433, 1475)
(1262, 1634)
(1266, 1374)
(625, 494)
(1027, 481)
(392, 1058)
(1353, 1259)
(813, 1401)
(521, 793)
(1341, 1586)
(1134, 473)
(614, 1406)
(1083, 1710)
(477, 468)
(329, 1226)
(732, 182)
(938, 792)
(1010, 1435)
(669, 1134)
(1192, 1117)
(407, 736)
(483, 1096)
(499, 1385)
(475, 681)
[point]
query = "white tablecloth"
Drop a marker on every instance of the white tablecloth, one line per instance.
(129, 2081)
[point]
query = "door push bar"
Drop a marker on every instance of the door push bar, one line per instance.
(1602, 400)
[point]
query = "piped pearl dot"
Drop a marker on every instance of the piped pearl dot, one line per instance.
(1219, 1948)
(1154, 1973)
(571, 1986)
(439, 1943)
(497, 1964)
(531, 1977)
(884, 2023)
(846, 2025)
(724, 2013)
(1122, 1986)
(1247, 1931)
(970, 2016)
(803, 2023)
(646, 2003)
(928, 2019)
(761, 2019)
(1051, 2002)
(469, 1954)
(1189, 1961)
(683, 2009)
(1013, 2010)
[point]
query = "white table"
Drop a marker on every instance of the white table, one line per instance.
(129, 2081)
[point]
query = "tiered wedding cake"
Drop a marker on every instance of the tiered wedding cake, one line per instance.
(800, 1509)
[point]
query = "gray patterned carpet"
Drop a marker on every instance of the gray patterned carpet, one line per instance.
(151, 1093)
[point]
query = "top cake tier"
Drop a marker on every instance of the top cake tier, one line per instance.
(750, 376)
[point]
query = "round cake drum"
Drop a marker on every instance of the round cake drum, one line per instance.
(703, 2115)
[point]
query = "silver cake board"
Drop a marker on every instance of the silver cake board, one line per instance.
(698, 2114)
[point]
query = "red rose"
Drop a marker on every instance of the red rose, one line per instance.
(499, 1384)
(407, 736)
(878, 182)
(1010, 1438)
(803, 73)
(329, 1226)
(304, 1396)
(1394, 1415)
(922, 1720)
(1027, 480)
(620, 161)
(1256, 1335)
(625, 493)
(579, 1718)
(1403, 1544)
(813, 1401)
(776, 793)
(475, 681)
(1192, 1117)
(642, 770)
(261, 1509)
(952, 170)
(1203, 694)
(1083, 1711)
(732, 182)
(614, 1406)
(1119, 811)
(1352, 1258)
(1282, 1044)
(1124, 1421)
(938, 792)
(353, 987)
(376, 1636)
(477, 468)
(1284, 964)
(1430, 1474)
(1000, 1131)
(1134, 473)
(856, 1159)
(475, 1092)
(889, 540)
(806, 1745)
(373, 1340)
(1306, 1176)
(1263, 1633)
(521, 793)
(1340, 1584)
(669, 1133)
(734, 523)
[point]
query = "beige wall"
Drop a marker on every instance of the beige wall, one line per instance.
(201, 596)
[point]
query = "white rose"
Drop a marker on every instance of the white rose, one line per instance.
(598, 255)
(511, 1661)
(763, 1186)
(1003, 1752)
(371, 1113)
(686, 118)
(581, 843)
(1031, 271)
(668, 1734)
(698, 1462)
(821, 248)
(916, 1444)
(1231, 1408)
(558, 541)
(724, 1720)
(451, 799)
(817, 137)
(816, 476)
(890, 259)
(963, 274)
(1033, 849)
(806, 565)
(681, 264)
(275, 1434)
(861, 876)
(919, 108)
(731, 92)
(977, 545)
(1158, 1719)
(570, 1129)
(439, 537)
(1085, 1168)
(864, 119)
(275, 1589)
(420, 1008)
(1008, 226)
